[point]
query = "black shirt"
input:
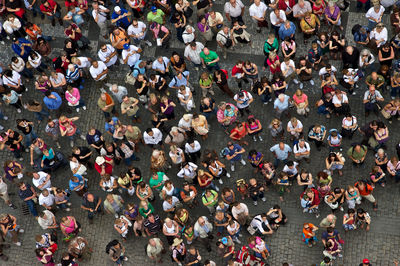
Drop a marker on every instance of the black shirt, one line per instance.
(206, 107)
(91, 205)
(10, 141)
(25, 129)
(84, 151)
(139, 84)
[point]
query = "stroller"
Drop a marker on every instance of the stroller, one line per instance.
(245, 257)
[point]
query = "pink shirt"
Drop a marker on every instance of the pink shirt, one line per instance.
(301, 99)
(73, 97)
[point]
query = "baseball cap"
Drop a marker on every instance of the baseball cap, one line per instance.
(126, 46)
(366, 261)
(117, 9)
(153, 9)
(224, 240)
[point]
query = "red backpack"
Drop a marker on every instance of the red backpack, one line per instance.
(226, 73)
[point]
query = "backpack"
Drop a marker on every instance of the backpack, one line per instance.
(226, 73)
(224, 152)
(355, 28)
(110, 245)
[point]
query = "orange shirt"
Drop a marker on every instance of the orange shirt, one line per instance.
(122, 35)
(308, 232)
(33, 33)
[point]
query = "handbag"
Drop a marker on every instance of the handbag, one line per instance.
(262, 24)
(143, 98)
(251, 230)
(129, 79)
(385, 114)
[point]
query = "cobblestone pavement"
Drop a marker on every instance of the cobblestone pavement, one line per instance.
(380, 244)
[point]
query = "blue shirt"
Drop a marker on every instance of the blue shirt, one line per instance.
(53, 104)
(359, 37)
(137, 70)
(76, 18)
(175, 82)
(73, 185)
(236, 148)
(281, 154)
(18, 50)
(283, 32)
(282, 105)
(110, 127)
(72, 76)
(123, 22)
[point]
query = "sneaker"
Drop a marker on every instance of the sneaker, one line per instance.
(2, 42)
(216, 188)
(341, 208)
(84, 107)
(82, 137)
(21, 231)
(26, 150)
(301, 86)
(21, 159)
(220, 181)
(340, 255)
(19, 110)
(312, 82)
(69, 203)
(67, 209)
(77, 110)
(71, 143)
(255, 203)
(354, 93)
(232, 168)
(5, 117)
(228, 175)
(317, 215)
(125, 258)
(254, 138)
(18, 244)
(296, 81)
(243, 162)
(1, 127)
(148, 43)
(12, 206)
(116, 216)
(264, 199)
(237, 240)
(58, 145)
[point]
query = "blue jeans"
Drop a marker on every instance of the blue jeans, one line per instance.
(260, 195)
(28, 138)
(212, 68)
(31, 207)
(277, 161)
(27, 73)
(120, 260)
(57, 15)
(128, 161)
(322, 110)
(39, 115)
(371, 25)
(80, 104)
(220, 229)
(395, 91)
(77, 133)
(1, 115)
(208, 114)
(265, 98)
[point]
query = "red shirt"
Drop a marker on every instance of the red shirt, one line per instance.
(49, 9)
(108, 169)
(236, 70)
(68, 32)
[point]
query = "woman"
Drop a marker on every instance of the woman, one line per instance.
(336, 45)
(239, 132)
(381, 159)
(240, 34)
(10, 97)
(167, 108)
(276, 129)
(177, 155)
(305, 179)
(43, 83)
(205, 83)
(335, 199)
(381, 135)
(256, 160)
(185, 97)
(334, 162)
(217, 169)
(333, 15)
(48, 159)
(73, 97)
(132, 214)
(171, 230)
(200, 125)
(71, 48)
(204, 29)
(221, 79)
(70, 227)
(350, 79)
(69, 129)
(271, 44)
(108, 183)
(332, 249)
(278, 84)
(264, 90)
(35, 61)
(161, 34)
(228, 196)
(221, 220)
(121, 225)
(179, 21)
(61, 198)
(386, 55)
(392, 109)
(366, 59)
(250, 71)
(13, 27)
(42, 47)
(323, 42)
(309, 25)
(183, 7)
(159, 161)
(254, 128)
(233, 229)
(13, 170)
(9, 227)
(318, 8)
(288, 48)
(272, 61)
(300, 100)
(276, 217)
(324, 181)
(349, 126)
(145, 208)
(349, 220)
(188, 172)
(207, 107)
(378, 36)
(309, 234)
(363, 219)
(168, 190)
(159, 84)
(144, 192)
(137, 7)
(377, 176)
(205, 180)
(45, 256)
(178, 62)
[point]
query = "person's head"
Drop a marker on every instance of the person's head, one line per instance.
(379, 27)
(281, 145)
(45, 192)
(95, 64)
(287, 24)
(206, 51)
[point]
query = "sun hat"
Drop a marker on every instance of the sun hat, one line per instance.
(100, 160)
(177, 241)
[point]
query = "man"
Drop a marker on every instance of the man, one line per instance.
(188, 194)
(203, 231)
(357, 154)
(107, 104)
(366, 190)
(130, 55)
(53, 101)
(4, 195)
(240, 212)
(47, 220)
(295, 128)
(47, 199)
(234, 154)
(188, 35)
(171, 204)
(120, 17)
(53, 130)
(225, 40)
(139, 68)
(119, 92)
(277, 18)
(51, 9)
(126, 150)
(210, 200)
(362, 35)
(91, 204)
(22, 47)
(116, 251)
(331, 233)
(260, 225)
(104, 165)
(99, 71)
(209, 60)
(152, 137)
(328, 221)
(258, 12)
(107, 54)
(234, 10)
(161, 66)
(243, 100)
(181, 79)
(152, 225)
(374, 15)
(301, 8)
(371, 100)
(193, 257)
(351, 57)
(374, 79)
(137, 31)
(281, 152)
(156, 15)
(288, 69)
(215, 21)
(154, 249)
(113, 204)
(281, 105)
(27, 193)
(99, 14)
(40, 179)
(327, 69)
(256, 190)
(287, 29)
(192, 53)
(304, 72)
(302, 151)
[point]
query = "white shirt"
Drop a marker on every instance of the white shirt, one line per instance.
(45, 223)
(234, 11)
(35, 62)
(194, 55)
(372, 14)
(298, 126)
(41, 179)
(190, 149)
(274, 18)
(102, 14)
(247, 97)
(160, 66)
(96, 71)
(49, 200)
(185, 124)
(323, 71)
(167, 205)
(132, 59)
(178, 157)
(189, 171)
(383, 35)
(335, 99)
(156, 138)
(257, 11)
(291, 171)
(289, 68)
(188, 37)
(13, 80)
(350, 123)
(58, 79)
(103, 55)
(257, 223)
(222, 37)
(137, 31)
(298, 149)
(85, 63)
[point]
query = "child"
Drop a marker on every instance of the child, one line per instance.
(189, 234)
(349, 222)
(261, 248)
(334, 140)
(242, 187)
(309, 234)
(377, 176)
(255, 158)
(229, 112)
(222, 207)
(283, 181)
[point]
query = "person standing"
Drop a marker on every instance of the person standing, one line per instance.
(116, 251)
(154, 249)
(4, 195)
(203, 231)
(28, 194)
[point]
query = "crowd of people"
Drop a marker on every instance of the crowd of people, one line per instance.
(38, 83)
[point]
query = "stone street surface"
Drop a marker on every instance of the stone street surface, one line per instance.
(380, 244)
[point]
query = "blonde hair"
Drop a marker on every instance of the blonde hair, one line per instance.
(275, 120)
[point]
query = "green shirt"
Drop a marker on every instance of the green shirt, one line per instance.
(375, 82)
(206, 82)
(157, 17)
(142, 211)
(210, 57)
(154, 182)
(212, 198)
(357, 155)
